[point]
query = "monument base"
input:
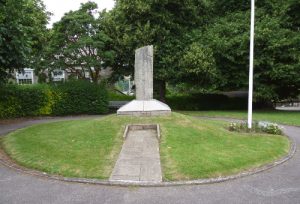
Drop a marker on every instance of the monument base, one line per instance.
(145, 108)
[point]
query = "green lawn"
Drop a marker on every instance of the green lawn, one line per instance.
(85, 148)
(190, 148)
(282, 117)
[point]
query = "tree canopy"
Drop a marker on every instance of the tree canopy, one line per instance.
(202, 43)
(206, 43)
(79, 44)
(277, 48)
(23, 33)
(164, 24)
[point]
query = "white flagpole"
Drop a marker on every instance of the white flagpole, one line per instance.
(250, 93)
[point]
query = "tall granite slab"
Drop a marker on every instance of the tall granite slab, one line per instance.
(144, 105)
(143, 73)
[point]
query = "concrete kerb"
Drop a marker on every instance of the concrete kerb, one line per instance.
(6, 161)
(125, 132)
(142, 127)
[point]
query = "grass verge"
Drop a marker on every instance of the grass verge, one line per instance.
(85, 148)
(190, 148)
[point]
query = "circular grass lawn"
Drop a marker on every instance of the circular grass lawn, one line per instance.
(190, 148)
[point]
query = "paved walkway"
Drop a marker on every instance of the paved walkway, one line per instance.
(277, 185)
(288, 108)
(139, 159)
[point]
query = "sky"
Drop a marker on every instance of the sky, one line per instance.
(59, 7)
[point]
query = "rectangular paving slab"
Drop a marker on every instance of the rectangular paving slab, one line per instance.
(139, 159)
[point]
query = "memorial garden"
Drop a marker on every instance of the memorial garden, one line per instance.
(179, 126)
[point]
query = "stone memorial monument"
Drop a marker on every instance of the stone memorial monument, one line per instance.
(144, 105)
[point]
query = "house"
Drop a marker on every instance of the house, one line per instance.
(26, 77)
(57, 75)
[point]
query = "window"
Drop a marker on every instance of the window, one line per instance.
(58, 75)
(25, 77)
(25, 81)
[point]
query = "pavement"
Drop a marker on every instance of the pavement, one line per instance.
(139, 159)
(280, 184)
(296, 108)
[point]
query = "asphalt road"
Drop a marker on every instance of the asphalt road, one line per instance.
(277, 185)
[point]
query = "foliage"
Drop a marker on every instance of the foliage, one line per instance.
(164, 24)
(206, 102)
(277, 53)
(20, 101)
(198, 65)
(23, 34)
(293, 15)
(69, 98)
(217, 32)
(79, 44)
(258, 127)
(271, 128)
(204, 44)
(79, 97)
(42, 78)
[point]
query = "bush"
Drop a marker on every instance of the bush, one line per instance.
(70, 98)
(197, 102)
(80, 97)
(257, 127)
(19, 101)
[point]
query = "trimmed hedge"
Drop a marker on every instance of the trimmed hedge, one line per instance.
(77, 97)
(197, 102)
(80, 97)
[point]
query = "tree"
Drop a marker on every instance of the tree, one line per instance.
(79, 44)
(22, 34)
(277, 51)
(164, 24)
(197, 66)
(293, 15)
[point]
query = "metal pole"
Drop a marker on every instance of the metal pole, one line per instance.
(250, 93)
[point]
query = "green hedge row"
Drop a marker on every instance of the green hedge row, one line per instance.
(71, 98)
(206, 102)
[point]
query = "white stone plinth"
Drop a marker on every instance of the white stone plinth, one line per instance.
(144, 108)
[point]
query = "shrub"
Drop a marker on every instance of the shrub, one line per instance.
(271, 128)
(19, 101)
(78, 97)
(264, 127)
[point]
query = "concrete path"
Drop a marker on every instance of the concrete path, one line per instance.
(139, 159)
(277, 185)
